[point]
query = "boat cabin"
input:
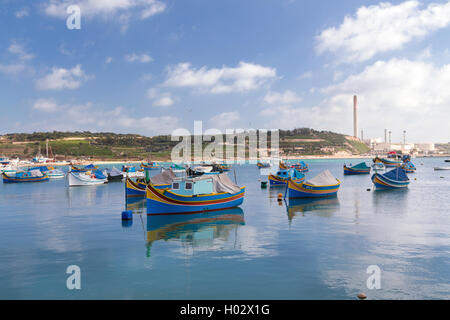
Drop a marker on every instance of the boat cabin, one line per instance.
(192, 187)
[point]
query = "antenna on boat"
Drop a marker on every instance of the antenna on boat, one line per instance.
(234, 170)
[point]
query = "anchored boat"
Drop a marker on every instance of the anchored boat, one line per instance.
(22, 176)
(195, 194)
(301, 166)
(388, 162)
(77, 179)
(393, 179)
(321, 186)
(284, 175)
(160, 181)
(360, 168)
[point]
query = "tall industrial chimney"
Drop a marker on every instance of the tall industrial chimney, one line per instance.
(385, 136)
(355, 116)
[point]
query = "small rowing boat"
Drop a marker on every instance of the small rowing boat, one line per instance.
(55, 174)
(77, 179)
(441, 168)
(393, 179)
(24, 176)
(283, 175)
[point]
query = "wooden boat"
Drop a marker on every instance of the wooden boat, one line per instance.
(160, 181)
(150, 166)
(132, 189)
(388, 163)
(225, 167)
(282, 165)
(448, 160)
(22, 176)
(409, 167)
(132, 172)
(194, 195)
(441, 168)
(301, 166)
(360, 168)
(261, 165)
(283, 175)
(321, 186)
(113, 174)
(85, 179)
(378, 166)
(85, 169)
(393, 179)
(56, 174)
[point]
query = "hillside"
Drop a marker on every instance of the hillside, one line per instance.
(112, 146)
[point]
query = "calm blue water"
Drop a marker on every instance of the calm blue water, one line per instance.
(264, 250)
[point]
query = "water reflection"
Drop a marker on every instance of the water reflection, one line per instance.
(390, 200)
(137, 205)
(194, 230)
(322, 207)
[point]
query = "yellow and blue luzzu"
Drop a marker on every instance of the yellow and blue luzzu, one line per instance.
(321, 186)
(393, 179)
(193, 195)
(409, 167)
(284, 175)
(21, 177)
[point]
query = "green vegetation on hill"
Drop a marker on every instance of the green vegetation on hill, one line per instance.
(111, 146)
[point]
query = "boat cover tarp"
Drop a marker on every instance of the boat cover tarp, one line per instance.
(165, 177)
(90, 166)
(397, 174)
(114, 172)
(35, 173)
(99, 174)
(361, 165)
(223, 184)
(323, 179)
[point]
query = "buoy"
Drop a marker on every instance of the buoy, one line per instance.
(263, 184)
(127, 215)
(362, 296)
(368, 189)
(280, 196)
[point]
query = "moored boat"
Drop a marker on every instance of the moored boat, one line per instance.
(283, 175)
(378, 166)
(196, 194)
(24, 176)
(113, 174)
(162, 180)
(409, 167)
(441, 168)
(85, 179)
(301, 166)
(262, 165)
(393, 179)
(321, 186)
(55, 174)
(388, 162)
(84, 169)
(132, 172)
(360, 168)
(150, 166)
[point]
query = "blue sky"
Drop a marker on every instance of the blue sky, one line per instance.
(151, 66)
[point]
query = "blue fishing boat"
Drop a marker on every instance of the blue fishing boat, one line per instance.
(393, 179)
(22, 176)
(194, 195)
(262, 165)
(85, 169)
(301, 166)
(321, 186)
(391, 161)
(150, 166)
(161, 181)
(409, 167)
(283, 175)
(132, 189)
(360, 168)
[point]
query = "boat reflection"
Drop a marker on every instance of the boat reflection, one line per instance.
(137, 205)
(384, 200)
(195, 230)
(322, 207)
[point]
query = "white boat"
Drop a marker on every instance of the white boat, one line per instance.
(136, 174)
(55, 174)
(83, 179)
(441, 168)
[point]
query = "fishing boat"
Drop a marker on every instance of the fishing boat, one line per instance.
(388, 163)
(55, 174)
(176, 168)
(321, 186)
(86, 178)
(162, 180)
(378, 166)
(447, 160)
(282, 165)
(132, 172)
(262, 165)
(150, 166)
(24, 176)
(283, 175)
(360, 168)
(441, 168)
(393, 179)
(194, 195)
(409, 167)
(225, 167)
(205, 169)
(113, 174)
(301, 166)
(85, 169)
(9, 169)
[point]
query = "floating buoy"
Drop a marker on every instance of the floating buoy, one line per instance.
(368, 189)
(362, 296)
(280, 196)
(263, 184)
(127, 215)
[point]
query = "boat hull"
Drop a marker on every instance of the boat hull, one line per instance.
(352, 171)
(305, 190)
(381, 182)
(163, 202)
(11, 179)
(76, 180)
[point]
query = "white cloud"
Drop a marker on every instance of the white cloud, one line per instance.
(225, 120)
(244, 77)
(12, 68)
(61, 78)
(381, 28)
(108, 60)
(19, 50)
(286, 98)
(24, 12)
(160, 99)
(18, 63)
(395, 94)
(143, 58)
(89, 8)
(46, 105)
(306, 75)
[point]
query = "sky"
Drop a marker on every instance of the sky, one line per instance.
(152, 66)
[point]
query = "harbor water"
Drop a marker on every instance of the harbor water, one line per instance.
(266, 249)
